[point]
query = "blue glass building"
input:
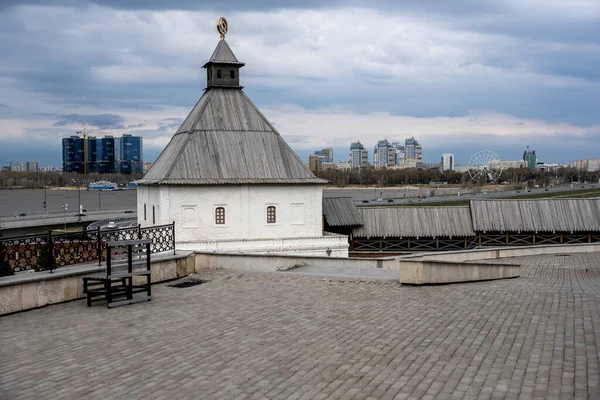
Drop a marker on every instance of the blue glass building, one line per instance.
(72, 148)
(131, 160)
(108, 155)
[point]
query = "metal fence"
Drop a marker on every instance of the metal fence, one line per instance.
(26, 252)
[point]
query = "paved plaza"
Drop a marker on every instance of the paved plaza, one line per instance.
(295, 336)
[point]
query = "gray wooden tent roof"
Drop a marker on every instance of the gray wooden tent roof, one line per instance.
(543, 215)
(223, 55)
(341, 211)
(226, 140)
(414, 222)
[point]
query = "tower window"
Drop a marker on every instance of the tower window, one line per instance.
(271, 215)
(144, 211)
(209, 74)
(219, 74)
(153, 216)
(220, 216)
(232, 74)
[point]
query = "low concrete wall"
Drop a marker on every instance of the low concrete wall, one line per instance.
(272, 263)
(37, 289)
(301, 246)
(504, 252)
(417, 272)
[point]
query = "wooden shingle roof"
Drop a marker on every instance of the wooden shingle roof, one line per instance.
(223, 55)
(540, 215)
(416, 222)
(341, 211)
(226, 140)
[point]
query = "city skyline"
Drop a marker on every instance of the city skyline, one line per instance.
(460, 76)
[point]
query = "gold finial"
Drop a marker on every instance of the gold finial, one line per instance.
(222, 27)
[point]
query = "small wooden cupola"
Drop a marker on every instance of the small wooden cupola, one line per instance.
(223, 68)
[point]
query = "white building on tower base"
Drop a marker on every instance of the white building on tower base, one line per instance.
(230, 182)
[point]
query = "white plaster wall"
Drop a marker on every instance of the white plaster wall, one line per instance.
(150, 197)
(299, 210)
(142, 197)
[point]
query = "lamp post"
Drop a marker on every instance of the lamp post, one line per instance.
(49, 182)
(64, 207)
(78, 200)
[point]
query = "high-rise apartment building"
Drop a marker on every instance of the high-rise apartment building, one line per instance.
(72, 149)
(413, 151)
(359, 156)
(399, 157)
(321, 160)
(130, 160)
(91, 155)
(107, 155)
(314, 162)
(447, 163)
(530, 159)
(384, 154)
(588, 164)
(24, 166)
(326, 154)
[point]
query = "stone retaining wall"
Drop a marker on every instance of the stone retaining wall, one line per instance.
(438, 272)
(504, 252)
(272, 263)
(37, 289)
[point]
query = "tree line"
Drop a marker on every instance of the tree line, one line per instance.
(356, 177)
(39, 180)
(415, 176)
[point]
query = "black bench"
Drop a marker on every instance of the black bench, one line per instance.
(127, 264)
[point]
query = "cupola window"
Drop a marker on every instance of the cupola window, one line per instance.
(232, 74)
(218, 74)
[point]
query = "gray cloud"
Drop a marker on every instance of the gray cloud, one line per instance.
(166, 127)
(170, 124)
(295, 139)
(470, 55)
(135, 126)
(102, 121)
(188, 5)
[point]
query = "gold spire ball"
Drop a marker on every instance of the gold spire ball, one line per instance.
(222, 27)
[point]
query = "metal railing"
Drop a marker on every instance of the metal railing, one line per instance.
(31, 252)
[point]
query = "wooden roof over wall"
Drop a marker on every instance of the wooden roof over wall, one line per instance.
(341, 211)
(415, 222)
(539, 215)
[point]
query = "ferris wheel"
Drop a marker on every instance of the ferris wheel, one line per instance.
(485, 165)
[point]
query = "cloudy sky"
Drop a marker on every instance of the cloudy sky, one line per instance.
(458, 75)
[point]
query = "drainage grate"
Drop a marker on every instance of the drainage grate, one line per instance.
(186, 284)
(563, 255)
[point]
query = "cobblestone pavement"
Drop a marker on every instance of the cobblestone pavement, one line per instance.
(347, 272)
(278, 336)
